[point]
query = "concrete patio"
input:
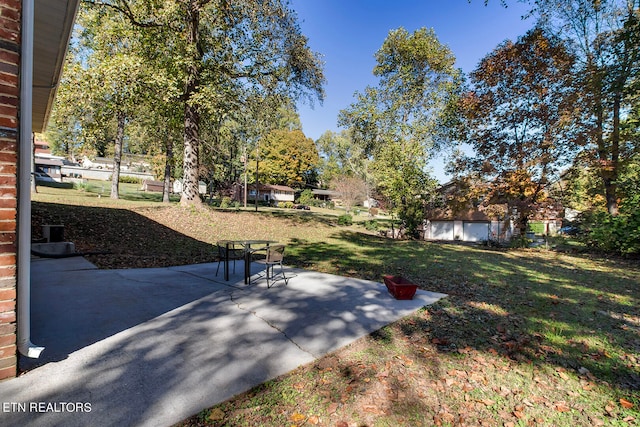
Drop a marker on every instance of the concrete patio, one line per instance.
(150, 347)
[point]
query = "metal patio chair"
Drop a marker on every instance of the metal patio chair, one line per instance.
(230, 251)
(274, 255)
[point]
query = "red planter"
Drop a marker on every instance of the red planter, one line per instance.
(400, 287)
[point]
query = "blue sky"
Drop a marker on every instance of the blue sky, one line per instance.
(349, 32)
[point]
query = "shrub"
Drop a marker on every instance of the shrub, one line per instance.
(225, 202)
(129, 179)
(287, 205)
(373, 211)
(81, 186)
(616, 234)
(345, 219)
(306, 197)
(371, 225)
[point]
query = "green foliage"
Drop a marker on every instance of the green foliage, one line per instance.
(306, 197)
(371, 225)
(225, 202)
(339, 156)
(345, 219)
(520, 241)
(396, 124)
(536, 227)
(613, 234)
(129, 179)
(286, 205)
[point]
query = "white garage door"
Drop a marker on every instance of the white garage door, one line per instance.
(476, 231)
(442, 230)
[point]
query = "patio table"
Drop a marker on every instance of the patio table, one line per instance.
(246, 244)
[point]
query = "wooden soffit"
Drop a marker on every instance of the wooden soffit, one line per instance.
(53, 24)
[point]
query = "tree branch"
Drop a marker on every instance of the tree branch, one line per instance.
(123, 7)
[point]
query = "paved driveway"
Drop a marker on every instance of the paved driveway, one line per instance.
(150, 347)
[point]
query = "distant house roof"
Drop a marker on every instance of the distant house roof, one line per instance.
(48, 162)
(320, 192)
(269, 187)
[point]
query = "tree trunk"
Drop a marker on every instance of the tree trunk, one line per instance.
(167, 171)
(117, 156)
(611, 187)
(190, 194)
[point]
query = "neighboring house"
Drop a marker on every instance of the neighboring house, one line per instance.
(50, 166)
(469, 226)
(326, 195)
(370, 203)
(46, 163)
(476, 223)
(266, 192)
(29, 76)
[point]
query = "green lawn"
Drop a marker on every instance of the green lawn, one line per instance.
(525, 337)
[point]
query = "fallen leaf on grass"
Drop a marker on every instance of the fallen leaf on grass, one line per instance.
(216, 415)
(373, 409)
(297, 417)
(562, 407)
(625, 403)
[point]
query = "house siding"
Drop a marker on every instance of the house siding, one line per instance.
(10, 13)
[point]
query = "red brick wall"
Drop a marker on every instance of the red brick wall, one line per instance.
(10, 12)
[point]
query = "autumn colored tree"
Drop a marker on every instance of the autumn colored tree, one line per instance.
(287, 157)
(606, 36)
(520, 119)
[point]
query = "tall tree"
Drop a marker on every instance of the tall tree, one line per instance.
(340, 156)
(606, 36)
(396, 124)
(225, 47)
(105, 84)
(287, 157)
(520, 119)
